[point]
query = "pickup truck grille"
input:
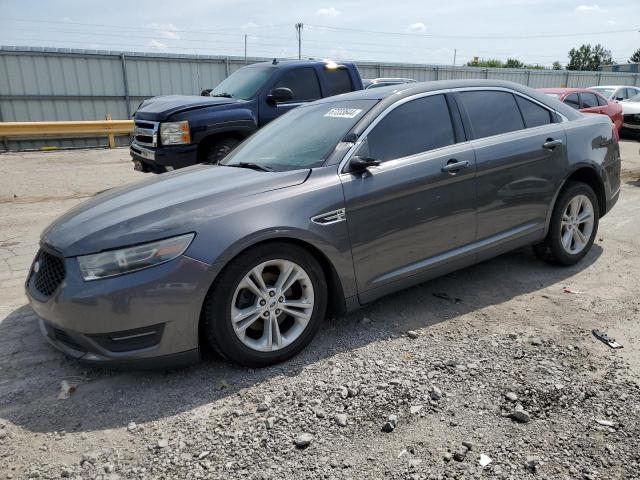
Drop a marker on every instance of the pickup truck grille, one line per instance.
(146, 133)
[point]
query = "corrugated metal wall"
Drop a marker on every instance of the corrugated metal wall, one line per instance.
(65, 84)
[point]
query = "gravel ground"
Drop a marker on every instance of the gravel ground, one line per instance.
(490, 372)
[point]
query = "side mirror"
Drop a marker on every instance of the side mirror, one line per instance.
(279, 95)
(619, 99)
(360, 164)
(205, 92)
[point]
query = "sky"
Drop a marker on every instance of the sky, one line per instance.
(407, 31)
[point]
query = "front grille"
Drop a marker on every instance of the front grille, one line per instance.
(48, 274)
(146, 133)
(64, 337)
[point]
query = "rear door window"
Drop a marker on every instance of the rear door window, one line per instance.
(492, 112)
(338, 81)
(417, 126)
(534, 115)
(303, 83)
(631, 92)
(589, 100)
(573, 101)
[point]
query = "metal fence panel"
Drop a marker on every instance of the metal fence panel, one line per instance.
(39, 84)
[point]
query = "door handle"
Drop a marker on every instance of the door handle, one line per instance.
(453, 166)
(550, 144)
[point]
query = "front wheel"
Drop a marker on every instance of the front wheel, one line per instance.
(266, 306)
(573, 228)
(220, 149)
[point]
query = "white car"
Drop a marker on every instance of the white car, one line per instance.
(631, 116)
(616, 93)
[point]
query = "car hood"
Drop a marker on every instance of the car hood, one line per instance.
(161, 108)
(166, 205)
(630, 108)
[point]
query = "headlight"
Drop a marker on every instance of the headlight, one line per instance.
(130, 259)
(175, 133)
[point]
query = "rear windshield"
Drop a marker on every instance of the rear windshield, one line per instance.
(302, 138)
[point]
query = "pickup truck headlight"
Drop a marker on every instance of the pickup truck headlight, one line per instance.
(131, 259)
(175, 133)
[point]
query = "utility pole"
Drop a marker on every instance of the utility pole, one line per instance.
(245, 48)
(455, 52)
(299, 32)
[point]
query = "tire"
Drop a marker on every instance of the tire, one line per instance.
(230, 295)
(220, 149)
(552, 249)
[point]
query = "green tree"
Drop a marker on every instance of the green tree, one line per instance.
(587, 57)
(513, 63)
(557, 65)
(635, 58)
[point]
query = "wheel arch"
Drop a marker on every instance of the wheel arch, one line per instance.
(336, 299)
(589, 175)
(206, 142)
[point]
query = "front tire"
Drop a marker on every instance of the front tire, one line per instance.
(266, 305)
(220, 149)
(573, 227)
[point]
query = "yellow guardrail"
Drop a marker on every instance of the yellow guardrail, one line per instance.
(97, 128)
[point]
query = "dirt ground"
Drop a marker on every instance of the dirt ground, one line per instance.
(506, 338)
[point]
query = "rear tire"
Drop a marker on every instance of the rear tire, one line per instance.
(220, 149)
(253, 340)
(573, 227)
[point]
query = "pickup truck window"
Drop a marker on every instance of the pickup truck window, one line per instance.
(243, 84)
(339, 81)
(302, 138)
(303, 83)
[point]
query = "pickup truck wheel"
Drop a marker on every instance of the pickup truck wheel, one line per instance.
(220, 149)
(266, 305)
(573, 228)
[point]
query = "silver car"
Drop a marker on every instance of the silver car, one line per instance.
(329, 207)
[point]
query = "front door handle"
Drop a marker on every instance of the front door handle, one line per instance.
(453, 166)
(550, 144)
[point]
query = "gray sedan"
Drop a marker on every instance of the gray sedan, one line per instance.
(329, 207)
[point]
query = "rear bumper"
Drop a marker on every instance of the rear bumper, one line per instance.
(178, 156)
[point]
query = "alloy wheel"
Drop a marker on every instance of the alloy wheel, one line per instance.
(577, 224)
(272, 305)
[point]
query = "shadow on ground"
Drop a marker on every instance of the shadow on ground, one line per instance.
(31, 370)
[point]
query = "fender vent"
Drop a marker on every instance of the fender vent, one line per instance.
(328, 218)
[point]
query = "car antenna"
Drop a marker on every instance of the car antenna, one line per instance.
(275, 61)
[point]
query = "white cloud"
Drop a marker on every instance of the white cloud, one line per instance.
(417, 27)
(167, 30)
(155, 44)
(588, 8)
(328, 12)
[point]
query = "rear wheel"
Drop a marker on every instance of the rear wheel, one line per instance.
(574, 225)
(220, 149)
(266, 306)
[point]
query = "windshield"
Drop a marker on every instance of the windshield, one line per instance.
(607, 92)
(302, 138)
(243, 84)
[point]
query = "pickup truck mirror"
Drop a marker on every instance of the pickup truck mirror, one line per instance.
(279, 95)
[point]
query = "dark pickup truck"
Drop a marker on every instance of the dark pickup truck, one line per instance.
(176, 131)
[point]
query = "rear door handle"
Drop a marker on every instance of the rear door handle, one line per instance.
(453, 166)
(550, 144)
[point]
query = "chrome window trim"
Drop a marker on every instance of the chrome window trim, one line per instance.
(392, 107)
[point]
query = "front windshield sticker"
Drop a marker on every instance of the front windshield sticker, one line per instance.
(343, 112)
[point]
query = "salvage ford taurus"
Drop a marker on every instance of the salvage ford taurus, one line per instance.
(331, 206)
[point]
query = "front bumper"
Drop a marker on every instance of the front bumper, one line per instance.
(631, 125)
(177, 156)
(144, 318)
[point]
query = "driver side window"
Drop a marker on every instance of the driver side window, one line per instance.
(417, 126)
(303, 83)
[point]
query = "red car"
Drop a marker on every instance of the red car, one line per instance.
(588, 101)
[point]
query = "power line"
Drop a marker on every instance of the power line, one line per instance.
(500, 37)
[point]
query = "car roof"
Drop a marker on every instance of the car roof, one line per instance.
(296, 63)
(393, 79)
(611, 86)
